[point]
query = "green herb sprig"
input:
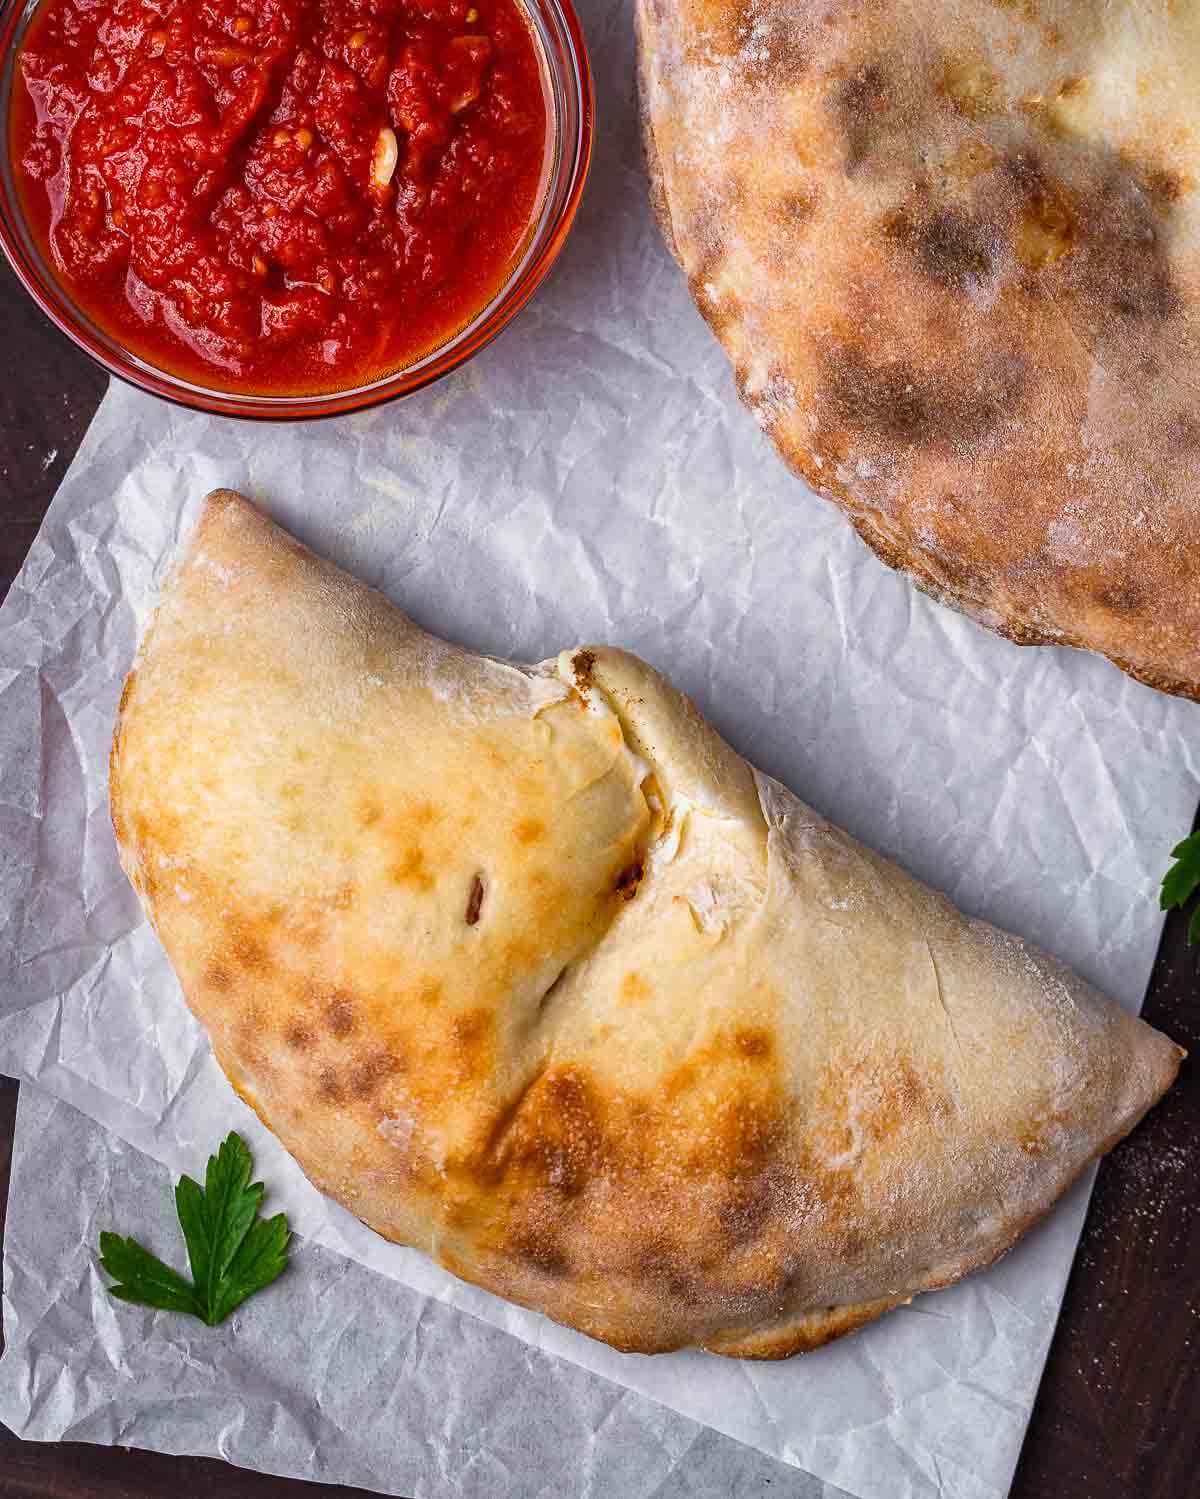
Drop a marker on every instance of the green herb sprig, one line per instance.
(233, 1252)
(1182, 881)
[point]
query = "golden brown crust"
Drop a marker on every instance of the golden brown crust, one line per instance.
(529, 969)
(954, 256)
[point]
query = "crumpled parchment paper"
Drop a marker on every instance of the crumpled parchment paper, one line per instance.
(592, 477)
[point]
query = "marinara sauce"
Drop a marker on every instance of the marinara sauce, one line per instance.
(280, 196)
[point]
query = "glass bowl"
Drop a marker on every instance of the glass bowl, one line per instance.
(570, 105)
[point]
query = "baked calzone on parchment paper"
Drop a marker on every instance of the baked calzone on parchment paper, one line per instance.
(529, 969)
(952, 248)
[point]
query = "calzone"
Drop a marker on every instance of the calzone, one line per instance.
(529, 969)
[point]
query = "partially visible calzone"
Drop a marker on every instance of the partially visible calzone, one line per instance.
(952, 249)
(530, 970)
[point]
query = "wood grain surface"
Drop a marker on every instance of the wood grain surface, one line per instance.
(1118, 1414)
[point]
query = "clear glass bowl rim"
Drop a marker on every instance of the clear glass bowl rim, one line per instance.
(573, 101)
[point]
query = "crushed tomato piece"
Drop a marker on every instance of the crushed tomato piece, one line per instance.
(284, 196)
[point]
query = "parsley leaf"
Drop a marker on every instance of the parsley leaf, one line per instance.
(233, 1252)
(145, 1279)
(1182, 881)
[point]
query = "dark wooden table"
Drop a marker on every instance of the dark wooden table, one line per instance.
(1118, 1416)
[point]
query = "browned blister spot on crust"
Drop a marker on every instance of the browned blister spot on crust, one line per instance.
(895, 401)
(329, 1086)
(947, 245)
(160, 836)
(754, 1042)
(341, 1015)
(529, 830)
(542, 1251)
(746, 1208)
(217, 976)
(298, 1037)
(724, 1046)
(543, 882)
(246, 950)
(859, 104)
(411, 869)
(1123, 598)
(247, 1036)
(723, 1113)
(634, 988)
(752, 33)
(1168, 187)
(793, 210)
(369, 813)
(665, 1265)
(365, 1075)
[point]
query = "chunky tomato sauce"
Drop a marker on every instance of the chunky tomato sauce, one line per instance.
(281, 196)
